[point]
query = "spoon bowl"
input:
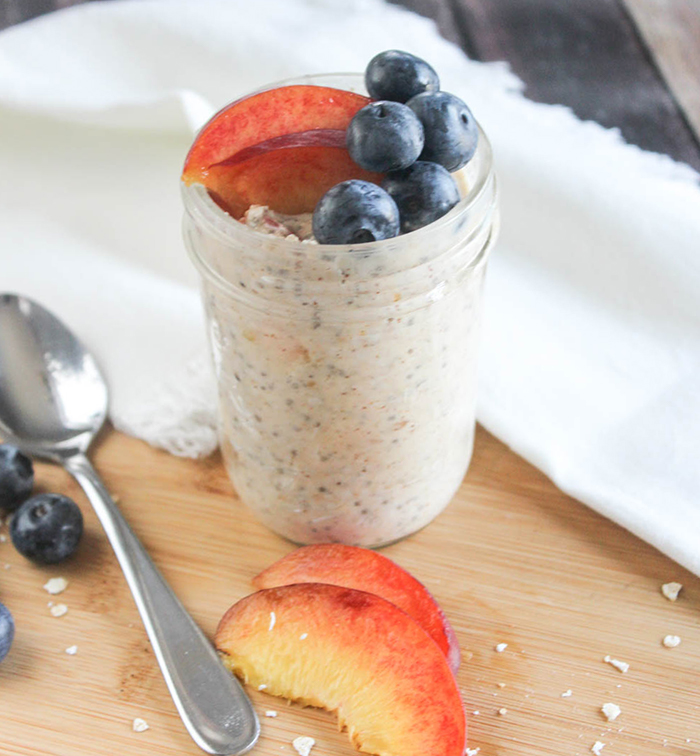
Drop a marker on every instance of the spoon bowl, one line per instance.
(53, 401)
(52, 394)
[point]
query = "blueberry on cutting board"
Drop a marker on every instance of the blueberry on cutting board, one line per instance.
(355, 212)
(384, 136)
(397, 75)
(450, 131)
(47, 528)
(7, 631)
(16, 477)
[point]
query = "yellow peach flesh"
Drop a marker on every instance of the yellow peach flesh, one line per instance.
(353, 653)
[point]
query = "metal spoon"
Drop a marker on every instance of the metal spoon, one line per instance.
(53, 401)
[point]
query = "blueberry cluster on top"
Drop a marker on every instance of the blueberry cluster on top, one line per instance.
(414, 133)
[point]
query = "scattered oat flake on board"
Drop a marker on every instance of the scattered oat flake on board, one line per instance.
(620, 665)
(303, 745)
(501, 647)
(671, 590)
(612, 711)
(273, 619)
(566, 693)
(597, 747)
(503, 711)
(270, 713)
(472, 751)
(303, 636)
(58, 610)
(671, 641)
(72, 650)
(476, 713)
(140, 725)
(55, 585)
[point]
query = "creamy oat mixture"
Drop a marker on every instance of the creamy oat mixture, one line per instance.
(291, 227)
(347, 379)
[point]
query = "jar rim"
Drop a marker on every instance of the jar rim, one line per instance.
(217, 221)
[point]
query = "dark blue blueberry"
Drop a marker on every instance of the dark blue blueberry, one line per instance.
(47, 528)
(423, 193)
(384, 136)
(7, 631)
(355, 212)
(16, 477)
(450, 130)
(397, 75)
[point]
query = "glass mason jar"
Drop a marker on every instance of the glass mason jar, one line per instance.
(346, 374)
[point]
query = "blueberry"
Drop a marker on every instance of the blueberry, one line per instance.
(355, 212)
(450, 129)
(16, 477)
(384, 136)
(423, 192)
(7, 631)
(397, 75)
(47, 528)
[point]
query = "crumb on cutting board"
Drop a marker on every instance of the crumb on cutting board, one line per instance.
(55, 585)
(303, 745)
(619, 665)
(611, 711)
(671, 590)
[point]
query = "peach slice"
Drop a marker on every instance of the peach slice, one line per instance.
(283, 147)
(365, 570)
(289, 180)
(353, 653)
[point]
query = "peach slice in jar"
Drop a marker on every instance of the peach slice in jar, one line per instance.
(283, 147)
(353, 653)
(365, 570)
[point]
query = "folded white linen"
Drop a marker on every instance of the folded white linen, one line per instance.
(590, 365)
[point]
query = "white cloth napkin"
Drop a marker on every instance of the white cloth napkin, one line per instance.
(591, 343)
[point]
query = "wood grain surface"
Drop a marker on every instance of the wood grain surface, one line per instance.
(512, 560)
(671, 30)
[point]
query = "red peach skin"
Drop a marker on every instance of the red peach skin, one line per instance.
(353, 653)
(365, 570)
(283, 148)
(288, 180)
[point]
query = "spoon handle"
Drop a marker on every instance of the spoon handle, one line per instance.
(211, 702)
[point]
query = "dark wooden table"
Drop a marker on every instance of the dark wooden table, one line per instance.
(631, 64)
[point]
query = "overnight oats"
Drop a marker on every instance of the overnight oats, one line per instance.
(347, 368)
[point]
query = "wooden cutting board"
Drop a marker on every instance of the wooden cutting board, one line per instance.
(512, 560)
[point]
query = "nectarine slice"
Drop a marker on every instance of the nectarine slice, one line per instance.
(283, 147)
(365, 570)
(275, 112)
(353, 653)
(288, 180)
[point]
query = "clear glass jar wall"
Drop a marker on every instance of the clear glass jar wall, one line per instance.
(346, 375)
